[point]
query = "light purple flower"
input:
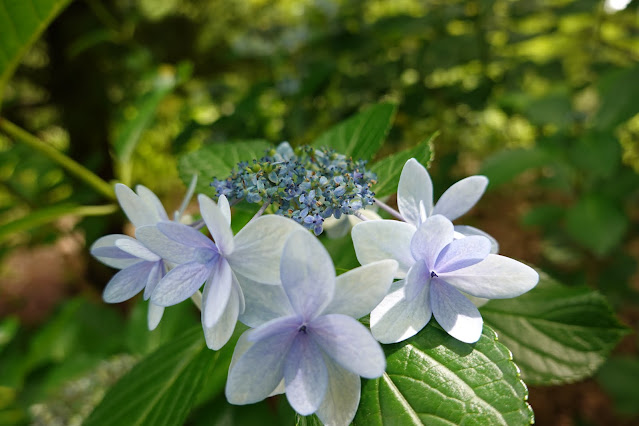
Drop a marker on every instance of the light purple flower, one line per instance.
(312, 343)
(415, 199)
(140, 267)
(253, 253)
(436, 268)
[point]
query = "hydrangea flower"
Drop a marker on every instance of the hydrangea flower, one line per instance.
(415, 199)
(311, 341)
(306, 184)
(435, 269)
(140, 267)
(337, 228)
(253, 253)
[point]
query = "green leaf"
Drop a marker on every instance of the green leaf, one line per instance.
(619, 377)
(596, 223)
(22, 22)
(557, 334)
(138, 338)
(342, 252)
(8, 328)
(434, 379)
(505, 165)
(274, 411)
(619, 91)
(217, 160)
(143, 111)
(389, 168)
(361, 135)
(161, 389)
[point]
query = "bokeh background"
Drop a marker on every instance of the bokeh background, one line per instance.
(542, 96)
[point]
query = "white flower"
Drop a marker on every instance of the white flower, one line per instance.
(254, 253)
(311, 347)
(337, 228)
(415, 199)
(140, 267)
(436, 268)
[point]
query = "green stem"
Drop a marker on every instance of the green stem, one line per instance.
(71, 166)
(46, 215)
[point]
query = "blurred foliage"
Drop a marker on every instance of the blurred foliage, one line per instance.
(539, 95)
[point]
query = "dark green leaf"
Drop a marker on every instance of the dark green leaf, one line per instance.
(619, 91)
(557, 334)
(505, 165)
(596, 223)
(362, 135)
(554, 108)
(140, 340)
(271, 412)
(161, 389)
(389, 168)
(22, 22)
(434, 379)
(619, 377)
(342, 252)
(598, 155)
(217, 160)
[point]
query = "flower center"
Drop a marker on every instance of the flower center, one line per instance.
(204, 255)
(433, 274)
(302, 329)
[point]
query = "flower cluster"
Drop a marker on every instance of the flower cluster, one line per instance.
(306, 184)
(278, 279)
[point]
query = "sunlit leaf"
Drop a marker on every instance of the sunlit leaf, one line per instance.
(217, 160)
(557, 334)
(362, 135)
(389, 168)
(434, 379)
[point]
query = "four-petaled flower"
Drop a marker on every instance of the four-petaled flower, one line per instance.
(253, 253)
(415, 199)
(312, 341)
(435, 267)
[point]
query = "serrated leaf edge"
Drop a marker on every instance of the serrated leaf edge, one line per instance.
(517, 372)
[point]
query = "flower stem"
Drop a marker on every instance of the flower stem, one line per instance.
(71, 166)
(360, 216)
(261, 210)
(389, 209)
(197, 299)
(198, 224)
